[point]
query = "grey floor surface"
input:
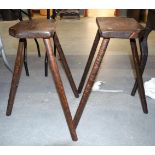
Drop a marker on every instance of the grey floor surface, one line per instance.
(108, 119)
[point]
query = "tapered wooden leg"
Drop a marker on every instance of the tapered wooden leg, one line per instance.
(46, 61)
(138, 75)
(46, 64)
(65, 65)
(55, 50)
(91, 56)
(90, 81)
(25, 57)
(38, 48)
(16, 77)
(60, 88)
(144, 55)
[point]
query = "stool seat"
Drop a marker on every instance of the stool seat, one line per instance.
(36, 28)
(118, 27)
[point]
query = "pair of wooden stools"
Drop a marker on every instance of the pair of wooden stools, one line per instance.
(108, 27)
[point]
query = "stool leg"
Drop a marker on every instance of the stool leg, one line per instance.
(16, 77)
(46, 61)
(25, 57)
(144, 55)
(55, 50)
(138, 75)
(91, 81)
(38, 48)
(91, 56)
(60, 88)
(46, 64)
(65, 65)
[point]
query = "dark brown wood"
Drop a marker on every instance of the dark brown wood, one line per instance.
(16, 76)
(25, 57)
(20, 17)
(60, 88)
(150, 19)
(46, 58)
(65, 65)
(30, 14)
(85, 12)
(36, 28)
(139, 75)
(48, 14)
(112, 27)
(38, 48)
(89, 61)
(44, 29)
(118, 27)
(54, 13)
(90, 81)
(150, 26)
(46, 65)
(143, 54)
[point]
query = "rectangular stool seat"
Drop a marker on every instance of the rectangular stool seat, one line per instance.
(118, 27)
(36, 28)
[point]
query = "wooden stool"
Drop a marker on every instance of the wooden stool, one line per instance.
(111, 27)
(150, 26)
(45, 29)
